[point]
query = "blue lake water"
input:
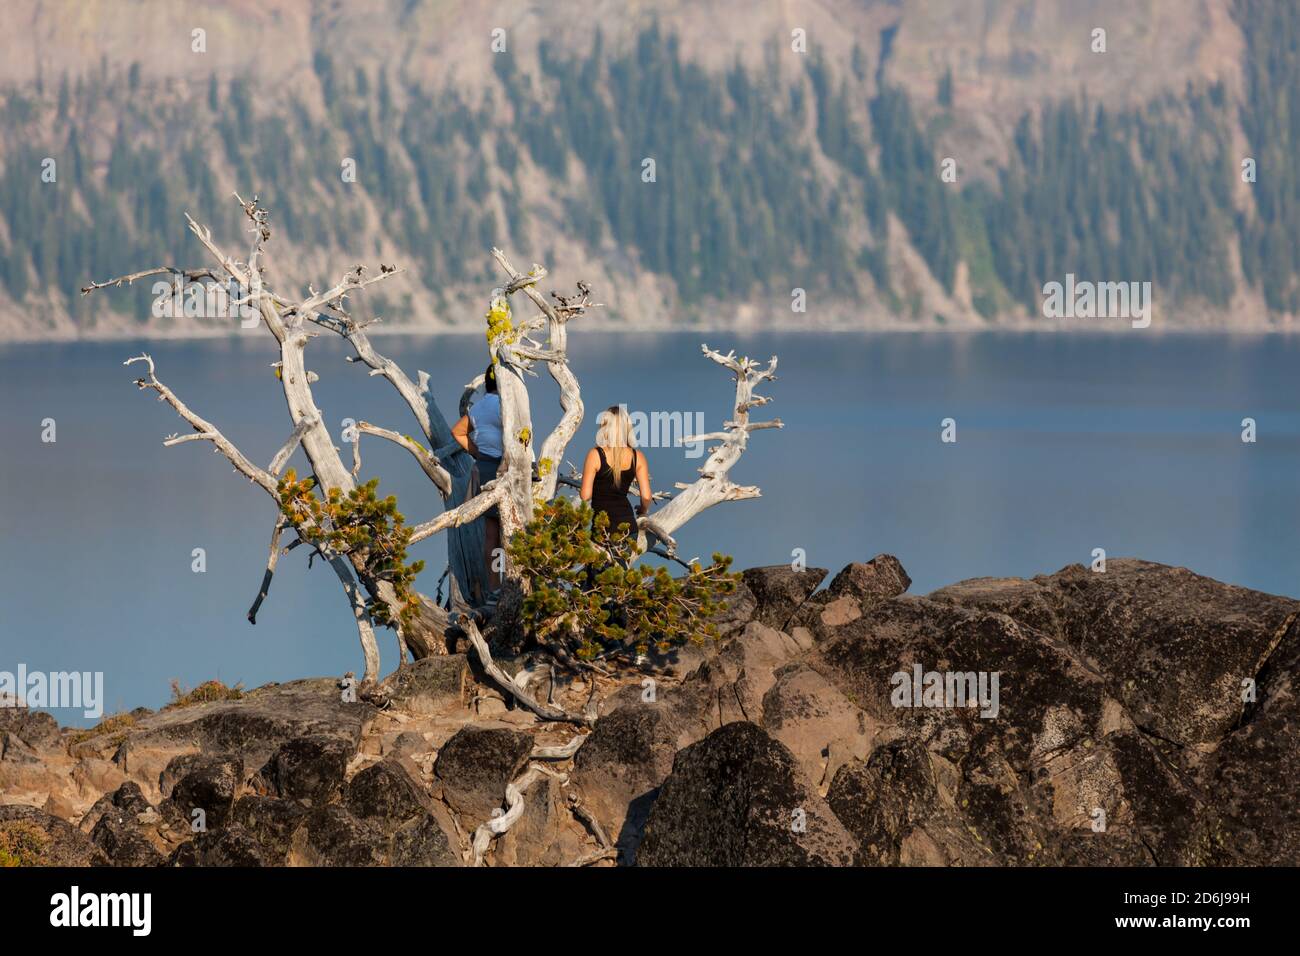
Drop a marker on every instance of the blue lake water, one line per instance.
(1065, 443)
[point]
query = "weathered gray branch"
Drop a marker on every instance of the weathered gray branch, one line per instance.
(290, 446)
(271, 562)
(555, 355)
(503, 681)
(205, 430)
(186, 275)
(714, 484)
(493, 493)
(498, 825)
(427, 461)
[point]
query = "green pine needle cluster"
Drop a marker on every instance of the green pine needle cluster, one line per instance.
(361, 524)
(616, 606)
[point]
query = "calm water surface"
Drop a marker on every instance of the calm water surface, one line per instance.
(1064, 444)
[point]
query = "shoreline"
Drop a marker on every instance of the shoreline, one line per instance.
(424, 331)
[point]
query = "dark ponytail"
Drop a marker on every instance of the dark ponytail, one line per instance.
(490, 379)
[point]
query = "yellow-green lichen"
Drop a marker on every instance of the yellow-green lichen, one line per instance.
(500, 329)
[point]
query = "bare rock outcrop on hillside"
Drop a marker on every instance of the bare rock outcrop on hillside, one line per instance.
(1143, 715)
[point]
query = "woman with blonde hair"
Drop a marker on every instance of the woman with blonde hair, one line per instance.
(610, 467)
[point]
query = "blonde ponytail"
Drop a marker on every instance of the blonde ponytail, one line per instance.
(613, 434)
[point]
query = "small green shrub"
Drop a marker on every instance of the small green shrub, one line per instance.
(586, 593)
(358, 523)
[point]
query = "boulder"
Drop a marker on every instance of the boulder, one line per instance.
(779, 590)
(855, 591)
(431, 685)
(1021, 600)
(309, 769)
(206, 782)
(389, 793)
(331, 836)
(122, 838)
(731, 685)
(739, 609)
(269, 821)
(231, 846)
(423, 841)
(124, 825)
(1175, 648)
(820, 726)
(178, 766)
(13, 749)
(252, 726)
(35, 728)
(1046, 699)
(620, 766)
(738, 798)
(128, 798)
(1252, 773)
(892, 804)
(475, 765)
(29, 833)
(870, 582)
(1055, 773)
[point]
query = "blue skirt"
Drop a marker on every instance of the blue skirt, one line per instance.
(487, 470)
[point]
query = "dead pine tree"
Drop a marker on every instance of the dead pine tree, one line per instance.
(362, 538)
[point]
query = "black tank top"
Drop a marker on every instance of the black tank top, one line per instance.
(611, 498)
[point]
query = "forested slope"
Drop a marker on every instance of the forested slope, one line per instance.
(773, 170)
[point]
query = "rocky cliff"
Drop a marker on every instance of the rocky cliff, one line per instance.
(918, 163)
(1143, 715)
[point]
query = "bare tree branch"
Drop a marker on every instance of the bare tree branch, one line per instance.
(271, 562)
(496, 826)
(503, 681)
(714, 484)
(290, 446)
(186, 275)
(353, 281)
(556, 358)
(428, 462)
(205, 429)
(493, 493)
(365, 626)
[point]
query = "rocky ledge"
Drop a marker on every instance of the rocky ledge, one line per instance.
(1143, 715)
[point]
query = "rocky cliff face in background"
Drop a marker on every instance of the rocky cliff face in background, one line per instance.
(797, 146)
(1144, 715)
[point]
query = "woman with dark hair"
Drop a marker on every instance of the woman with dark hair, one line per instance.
(479, 433)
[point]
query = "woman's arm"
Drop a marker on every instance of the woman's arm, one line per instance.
(460, 432)
(643, 483)
(589, 469)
